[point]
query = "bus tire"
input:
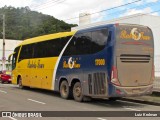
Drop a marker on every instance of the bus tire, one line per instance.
(20, 83)
(113, 98)
(77, 92)
(64, 90)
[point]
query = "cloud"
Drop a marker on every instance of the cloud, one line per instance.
(66, 9)
(17, 3)
(151, 0)
(72, 8)
(136, 11)
(146, 1)
(155, 13)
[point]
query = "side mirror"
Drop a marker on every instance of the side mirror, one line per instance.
(9, 57)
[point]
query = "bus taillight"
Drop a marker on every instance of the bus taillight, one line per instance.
(114, 76)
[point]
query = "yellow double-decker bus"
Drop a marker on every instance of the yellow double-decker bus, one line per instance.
(112, 61)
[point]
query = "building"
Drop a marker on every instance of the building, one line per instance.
(84, 19)
(9, 48)
(143, 19)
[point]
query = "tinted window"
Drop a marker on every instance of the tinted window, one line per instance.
(50, 48)
(27, 51)
(16, 52)
(99, 37)
(87, 43)
(14, 58)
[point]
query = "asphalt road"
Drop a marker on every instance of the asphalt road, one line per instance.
(14, 99)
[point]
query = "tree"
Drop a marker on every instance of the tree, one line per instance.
(22, 23)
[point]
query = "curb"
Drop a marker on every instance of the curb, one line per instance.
(141, 101)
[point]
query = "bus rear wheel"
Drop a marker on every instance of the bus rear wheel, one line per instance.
(113, 98)
(64, 90)
(77, 92)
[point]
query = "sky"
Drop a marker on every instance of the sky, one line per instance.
(69, 10)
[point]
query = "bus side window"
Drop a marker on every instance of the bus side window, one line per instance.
(99, 37)
(71, 48)
(99, 40)
(16, 54)
(13, 61)
(84, 44)
(14, 57)
(87, 43)
(26, 52)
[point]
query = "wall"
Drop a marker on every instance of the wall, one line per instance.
(9, 48)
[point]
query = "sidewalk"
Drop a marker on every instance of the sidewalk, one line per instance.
(153, 99)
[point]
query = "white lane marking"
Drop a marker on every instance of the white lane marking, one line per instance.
(36, 101)
(3, 91)
(8, 85)
(132, 109)
(101, 119)
(12, 118)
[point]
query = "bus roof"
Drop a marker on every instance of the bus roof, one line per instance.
(47, 37)
(96, 27)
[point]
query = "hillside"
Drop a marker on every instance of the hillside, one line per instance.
(22, 23)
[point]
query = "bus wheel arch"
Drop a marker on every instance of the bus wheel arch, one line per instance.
(64, 88)
(19, 81)
(18, 78)
(73, 82)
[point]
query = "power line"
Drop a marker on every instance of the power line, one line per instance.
(52, 5)
(106, 9)
(117, 6)
(137, 13)
(49, 4)
(35, 6)
(44, 3)
(59, 1)
(143, 14)
(146, 5)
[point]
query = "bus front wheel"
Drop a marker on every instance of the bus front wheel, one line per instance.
(64, 90)
(20, 83)
(77, 92)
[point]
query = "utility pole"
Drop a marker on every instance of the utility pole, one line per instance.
(3, 54)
